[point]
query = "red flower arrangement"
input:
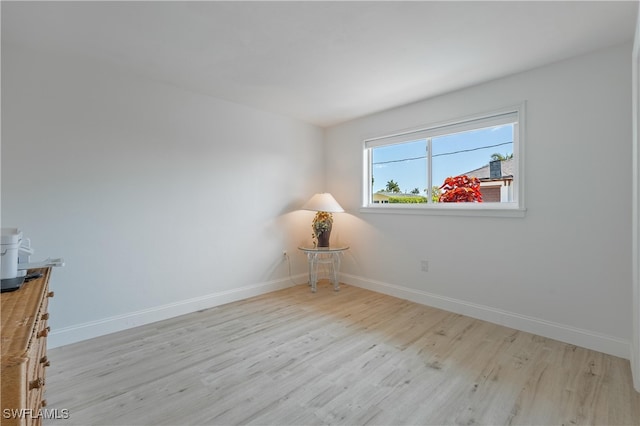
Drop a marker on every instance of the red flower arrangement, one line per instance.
(460, 189)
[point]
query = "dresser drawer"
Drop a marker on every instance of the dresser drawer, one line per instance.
(24, 331)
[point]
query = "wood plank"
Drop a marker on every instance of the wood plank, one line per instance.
(349, 357)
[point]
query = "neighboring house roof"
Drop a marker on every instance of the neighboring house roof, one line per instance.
(397, 194)
(483, 172)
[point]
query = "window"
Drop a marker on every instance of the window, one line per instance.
(470, 165)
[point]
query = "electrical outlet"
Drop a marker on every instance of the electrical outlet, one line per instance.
(424, 266)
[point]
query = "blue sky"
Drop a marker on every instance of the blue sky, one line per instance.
(453, 154)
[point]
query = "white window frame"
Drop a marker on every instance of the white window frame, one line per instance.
(496, 117)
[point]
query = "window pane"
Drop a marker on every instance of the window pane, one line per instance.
(470, 153)
(399, 173)
(464, 161)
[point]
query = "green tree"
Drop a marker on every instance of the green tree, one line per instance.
(393, 186)
(498, 156)
(435, 193)
(415, 191)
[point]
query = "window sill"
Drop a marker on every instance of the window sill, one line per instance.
(458, 209)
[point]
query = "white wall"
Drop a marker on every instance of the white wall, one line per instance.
(160, 200)
(635, 212)
(564, 270)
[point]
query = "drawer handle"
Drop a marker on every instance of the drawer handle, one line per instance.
(45, 316)
(50, 294)
(44, 360)
(36, 384)
(44, 332)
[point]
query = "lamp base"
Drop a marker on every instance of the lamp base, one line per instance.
(323, 238)
(322, 223)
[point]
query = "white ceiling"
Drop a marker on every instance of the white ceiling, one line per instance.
(322, 62)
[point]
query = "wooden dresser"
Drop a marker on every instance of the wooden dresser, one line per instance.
(24, 332)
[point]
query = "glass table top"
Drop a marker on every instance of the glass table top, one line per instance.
(330, 249)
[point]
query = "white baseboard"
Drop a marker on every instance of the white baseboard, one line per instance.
(562, 332)
(565, 333)
(635, 370)
(89, 330)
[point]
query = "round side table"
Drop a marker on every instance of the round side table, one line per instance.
(326, 255)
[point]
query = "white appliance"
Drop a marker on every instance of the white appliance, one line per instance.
(11, 241)
(16, 254)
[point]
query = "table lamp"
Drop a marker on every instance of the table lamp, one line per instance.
(324, 204)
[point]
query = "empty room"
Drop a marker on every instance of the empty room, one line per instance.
(320, 212)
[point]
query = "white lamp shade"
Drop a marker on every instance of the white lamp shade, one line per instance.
(323, 203)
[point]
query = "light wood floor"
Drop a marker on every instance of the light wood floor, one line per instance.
(353, 357)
